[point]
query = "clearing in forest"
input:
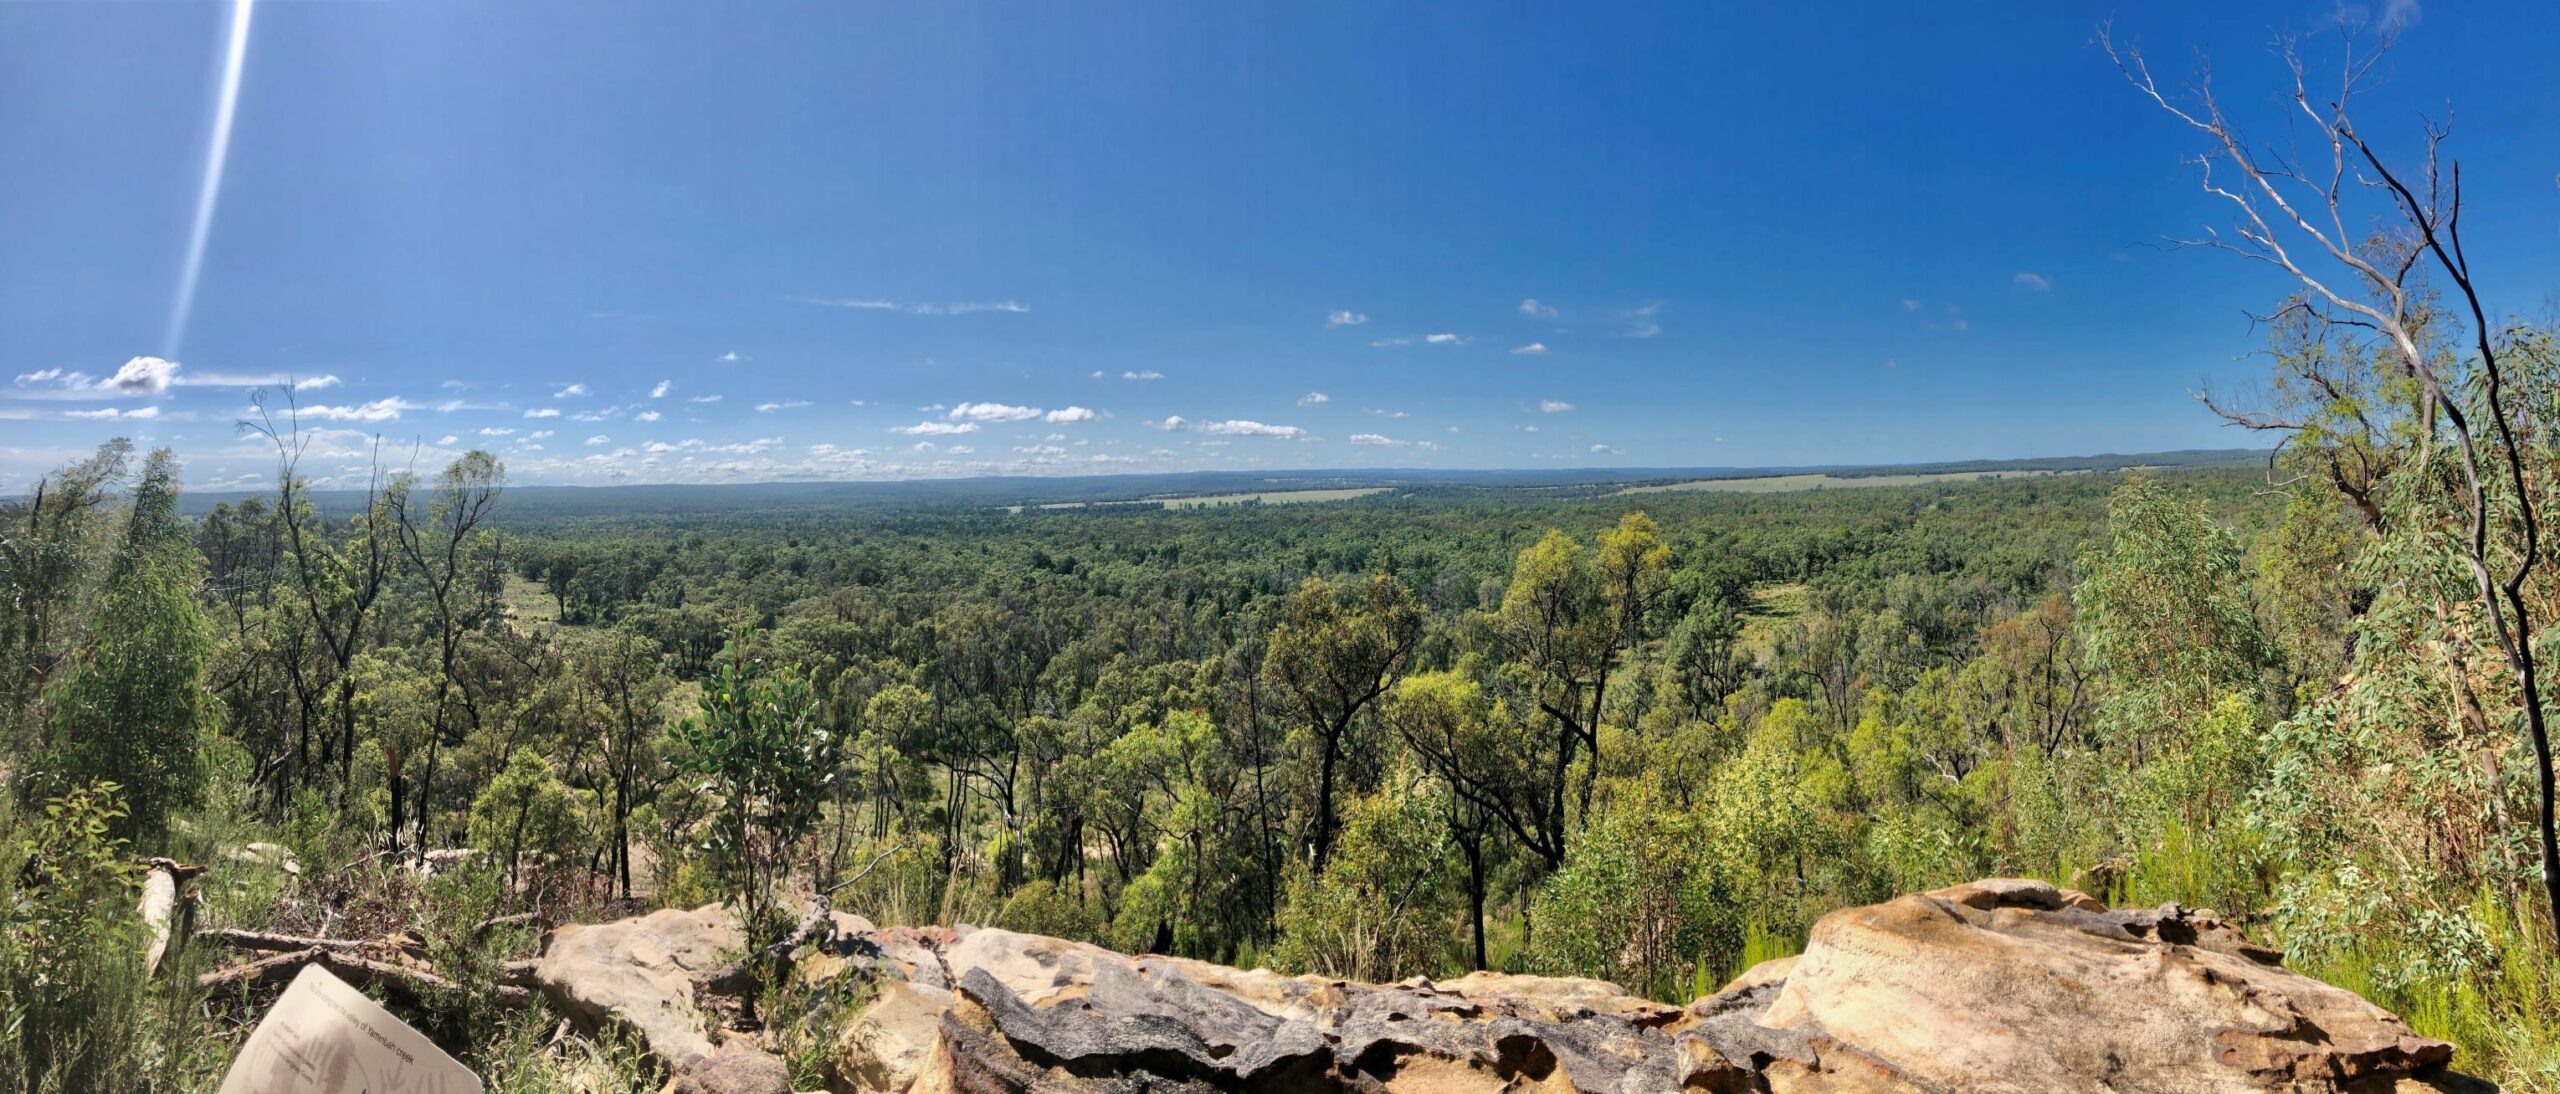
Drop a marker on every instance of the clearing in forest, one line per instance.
(1770, 484)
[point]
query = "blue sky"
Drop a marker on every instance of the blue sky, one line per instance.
(620, 242)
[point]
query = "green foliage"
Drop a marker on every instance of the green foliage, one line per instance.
(78, 1013)
(132, 708)
(1384, 907)
(526, 811)
(767, 763)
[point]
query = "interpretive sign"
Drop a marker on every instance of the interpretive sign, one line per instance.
(323, 1037)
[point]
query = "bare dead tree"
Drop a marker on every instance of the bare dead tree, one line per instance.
(2293, 216)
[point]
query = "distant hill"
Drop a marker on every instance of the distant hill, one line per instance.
(555, 502)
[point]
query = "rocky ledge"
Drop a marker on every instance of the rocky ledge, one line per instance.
(1998, 985)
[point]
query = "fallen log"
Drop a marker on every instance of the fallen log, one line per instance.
(239, 939)
(350, 966)
(160, 903)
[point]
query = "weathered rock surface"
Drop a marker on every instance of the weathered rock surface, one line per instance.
(1992, 986)
(641, 974)
(732, 1070)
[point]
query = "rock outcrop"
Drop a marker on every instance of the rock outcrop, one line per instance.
(641, 975)
(1992, 986)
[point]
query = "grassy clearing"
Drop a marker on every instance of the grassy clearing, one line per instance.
(1274, 497)
(1771, 484)
(529, 605)
(1772, 608)
(1266, 497)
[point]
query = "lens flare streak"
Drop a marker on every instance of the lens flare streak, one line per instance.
(210, 192)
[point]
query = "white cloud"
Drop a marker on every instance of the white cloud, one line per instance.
(1387, 343)
(543, 412)
(962, 308)
(1533, 349)
(960, 450)
(1066, 414)
(1314, 398)
(138, 376)
(448, 439)
(538, 434)
(1605, 448)
(258, 379)
(1910, 304)
(2032, 281)
(142, 376)
(992, 412)
(1236, 427)
(786, 404)
(495, 431)
(1142, 374)
(599, 439)
(732, 357)
(702, 398)
(1553, 406)
(107, 413)
(936, 429)
(646, 416)
(660, 391)
(1535, 310)
(1444, 339)
(379, 410)
(1375, 439)
(570, 392)
(1344, 318)
(1382, 412)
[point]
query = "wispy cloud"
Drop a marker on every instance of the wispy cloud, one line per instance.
(935, 429)
(1535, 310)
(967, 307)
(572, 391)
(991, 412)
(1066, 414)
(2032, 281)
(1531, 350)
(1553, 406)
(702, 398)
(1377, 440)
(786, 404)
(598, 439)
(1606, 449)
(1344, 318)
(543, 412)
(731, 357)
(1640, 321)
(110, 413)
(1234, 427)
(379, 410)
(1314, 398)
(1142, 374)
(253, 379)
(660, 391)
(646, 416)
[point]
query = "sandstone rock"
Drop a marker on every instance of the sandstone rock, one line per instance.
(2010, 985)
(732, 1070)
(640, 974)
(892, 1040)
(1999, 985)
